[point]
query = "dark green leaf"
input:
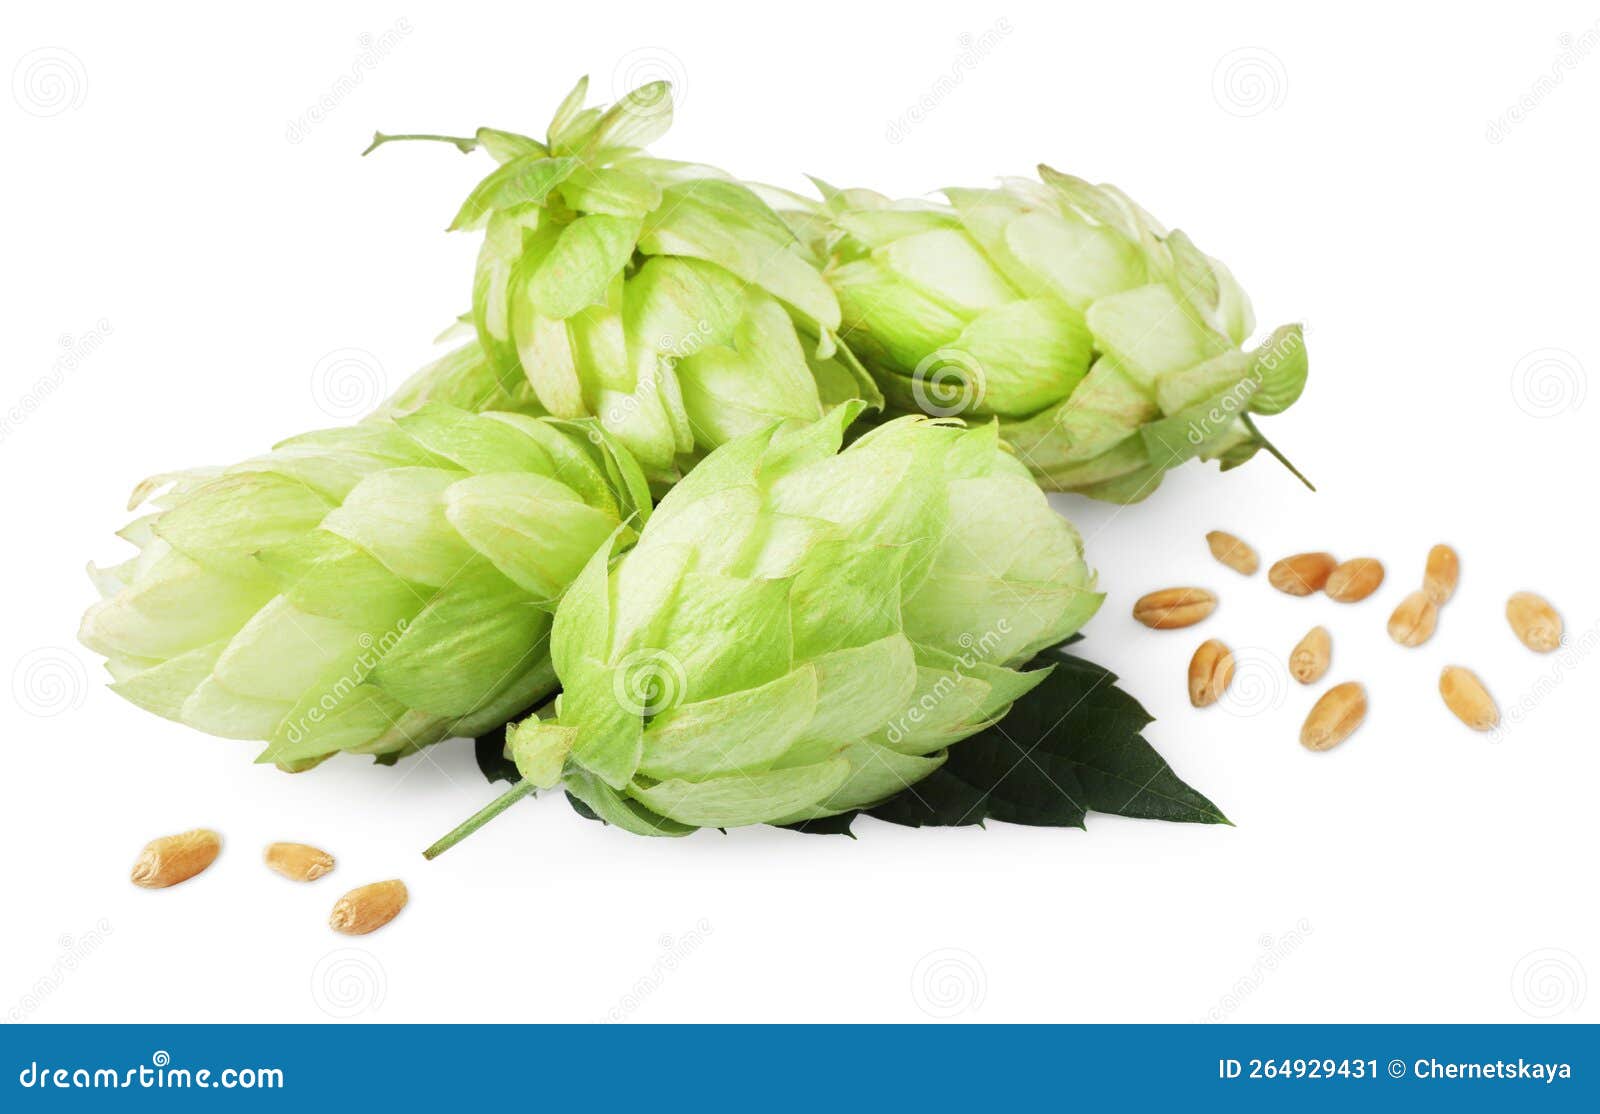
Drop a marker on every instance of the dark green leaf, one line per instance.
(582, 809)
(1070, 747)
(490, 751)
(828, 825)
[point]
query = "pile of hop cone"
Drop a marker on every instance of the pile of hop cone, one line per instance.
(716, 503)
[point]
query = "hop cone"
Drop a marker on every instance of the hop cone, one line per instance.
(663, 298)
(371, 589)
(801, 631)
(465, 379)
(1108, 347)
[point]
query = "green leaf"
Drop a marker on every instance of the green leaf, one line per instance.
(1070, 747)
(1281, 365)
(529, 178)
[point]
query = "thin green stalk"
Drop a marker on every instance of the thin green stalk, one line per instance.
(464, 143)
(1273, 449)
(478, 819)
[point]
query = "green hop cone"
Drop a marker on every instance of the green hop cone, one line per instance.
(663, 298)
(1108, 348)
(463, 378)
(801, 631)
(371, 589)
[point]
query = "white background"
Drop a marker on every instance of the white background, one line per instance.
(1350, 171)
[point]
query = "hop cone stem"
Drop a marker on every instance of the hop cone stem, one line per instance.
(1273, 449)
(478, 819)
